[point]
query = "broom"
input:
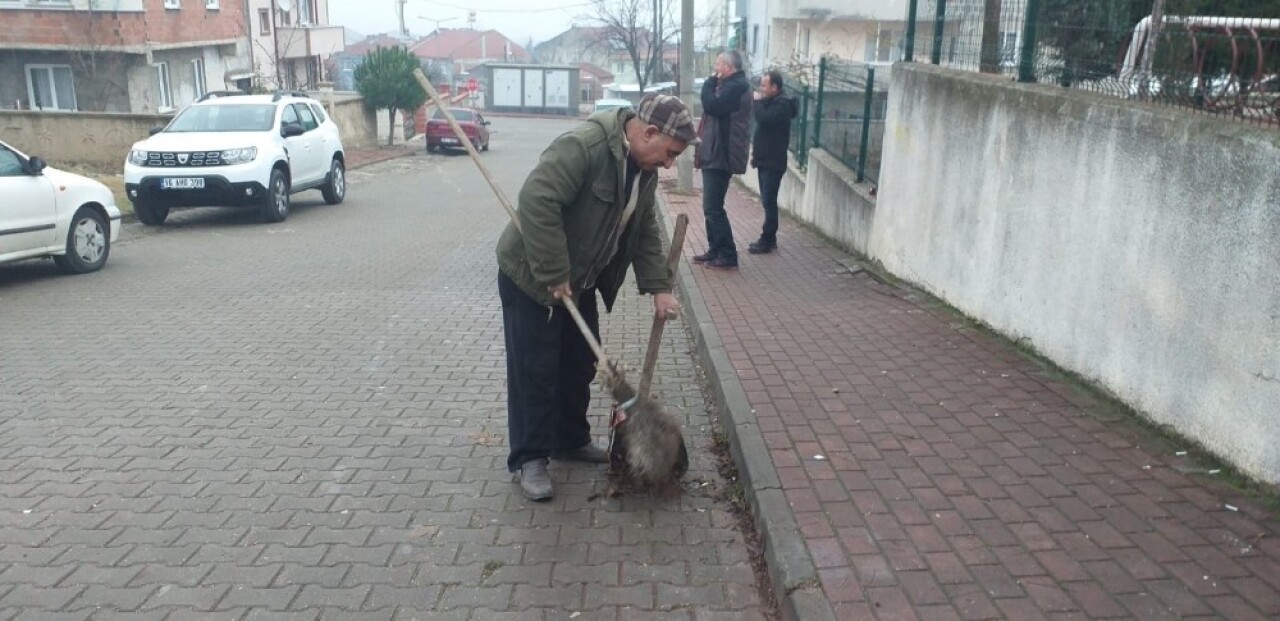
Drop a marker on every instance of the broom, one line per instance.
(654, 448)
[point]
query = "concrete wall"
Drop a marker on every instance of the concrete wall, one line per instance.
(1134, 245)
(103, 139)
(357, 123)
(99, 139)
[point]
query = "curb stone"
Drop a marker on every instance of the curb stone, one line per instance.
(791, 568)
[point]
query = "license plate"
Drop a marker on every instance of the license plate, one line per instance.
(182, 183)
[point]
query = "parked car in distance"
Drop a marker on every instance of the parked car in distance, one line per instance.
(609, 104)
(49, 212)
(440, 136)
(238, 150)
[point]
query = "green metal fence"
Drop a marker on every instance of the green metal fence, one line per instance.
(841, 110)
(1215, 56)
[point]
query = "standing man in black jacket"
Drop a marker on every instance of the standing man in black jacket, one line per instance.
(773, 112)
(726, 138)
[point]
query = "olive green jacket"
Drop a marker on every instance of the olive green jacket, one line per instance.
(569, 207)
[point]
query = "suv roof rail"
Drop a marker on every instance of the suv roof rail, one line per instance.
(217, 94)
(280, 94)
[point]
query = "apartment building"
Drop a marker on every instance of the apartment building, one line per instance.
(141, 56)
(292, 42)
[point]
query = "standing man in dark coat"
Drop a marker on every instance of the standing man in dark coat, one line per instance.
(726, 142)
(773, 112)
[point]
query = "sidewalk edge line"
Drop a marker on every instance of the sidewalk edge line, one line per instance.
(791, 568)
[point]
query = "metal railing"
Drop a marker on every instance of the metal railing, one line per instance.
(841, 110)
(1151, 50)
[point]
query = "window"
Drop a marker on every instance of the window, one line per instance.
(10, 164)
(1008, 47)
(197, 73)
(308, 119)
(164, 86)
(264, 21)
(890, 47)
(319, 112)
(172, 4)
(212, 5)
(51, 87)
(290, 116)
(224, 118)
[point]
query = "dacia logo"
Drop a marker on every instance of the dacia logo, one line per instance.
(182, 158)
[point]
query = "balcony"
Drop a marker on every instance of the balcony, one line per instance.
(305, 41)
(871, 10)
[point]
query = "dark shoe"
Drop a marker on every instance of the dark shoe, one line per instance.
(704, 257)
(535, 482)
(721, 263)
(761, 247)
(588, 452)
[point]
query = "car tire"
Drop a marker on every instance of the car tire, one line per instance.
(150, 214)
(335, 189)
(88, 243)
(275, 201)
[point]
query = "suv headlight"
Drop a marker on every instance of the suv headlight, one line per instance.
(239, 156)
(138, 158)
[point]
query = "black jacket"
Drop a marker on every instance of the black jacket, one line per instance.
(726, 126)
(773, 132)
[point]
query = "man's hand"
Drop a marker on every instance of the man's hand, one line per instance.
(561, 291)
(665, 306)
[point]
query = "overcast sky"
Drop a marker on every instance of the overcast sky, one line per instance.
(518, 19)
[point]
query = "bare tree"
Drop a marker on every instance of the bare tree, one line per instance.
(642, 29)
(100, 67)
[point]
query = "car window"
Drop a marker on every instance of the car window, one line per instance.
(10, 164)
(319, 112)
(224, 118)
(308, 119)
(289, 116)
(458, 115)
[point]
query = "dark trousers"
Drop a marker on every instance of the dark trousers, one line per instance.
(770, 183)
(549, 372)
(715, 185)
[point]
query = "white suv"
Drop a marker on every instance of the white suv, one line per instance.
(237, 150)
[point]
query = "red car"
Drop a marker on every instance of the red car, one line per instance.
(441, 136)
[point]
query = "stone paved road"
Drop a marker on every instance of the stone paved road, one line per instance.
(305, 421)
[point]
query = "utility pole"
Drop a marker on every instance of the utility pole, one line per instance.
(684, 166)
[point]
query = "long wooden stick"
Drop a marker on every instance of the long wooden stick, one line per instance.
(655, 332)
(506, 204)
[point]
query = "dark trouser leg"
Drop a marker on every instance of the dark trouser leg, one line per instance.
(715, 185)
(770, 183)
(533, 361)
(577, 370)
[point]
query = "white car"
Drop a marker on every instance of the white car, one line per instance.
(48, 212)
(237, 150)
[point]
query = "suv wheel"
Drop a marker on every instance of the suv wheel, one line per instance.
(88, 243)
(150, 214)
(275, 203)
(335, 189)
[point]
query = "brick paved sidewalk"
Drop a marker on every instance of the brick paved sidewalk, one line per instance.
(936, 473)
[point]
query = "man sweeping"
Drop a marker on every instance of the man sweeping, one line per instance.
(586, 213)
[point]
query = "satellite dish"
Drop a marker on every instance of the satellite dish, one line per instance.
(285, 5)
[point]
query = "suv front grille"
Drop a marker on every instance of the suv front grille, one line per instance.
(194, 159)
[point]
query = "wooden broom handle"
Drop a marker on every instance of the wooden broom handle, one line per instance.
(655, 332)
(506, 204)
